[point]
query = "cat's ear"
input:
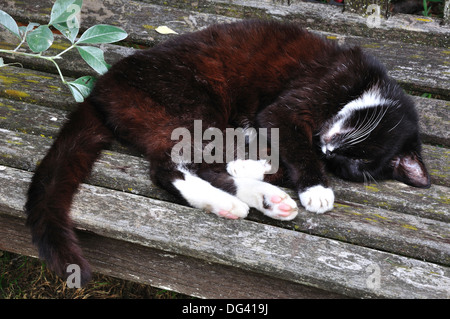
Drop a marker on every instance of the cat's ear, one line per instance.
(410, 169)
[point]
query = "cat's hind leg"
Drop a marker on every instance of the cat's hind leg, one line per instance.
(265, 197)
(200, 193)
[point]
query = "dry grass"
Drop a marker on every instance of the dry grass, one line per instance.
(24, 277)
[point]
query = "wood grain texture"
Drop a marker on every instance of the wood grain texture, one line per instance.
(383, 239)
(289, 255)
(399, 218)
(423, 69)
(187, 275)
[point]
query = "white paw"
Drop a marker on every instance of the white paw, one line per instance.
(317, 199)
(266, 198)
(248, 168)
(222, 204)
(201, 194)
(281, 207)
(230, 207)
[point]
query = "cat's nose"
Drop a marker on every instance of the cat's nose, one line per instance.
(329, 154)
(327, 150)
(326, 139)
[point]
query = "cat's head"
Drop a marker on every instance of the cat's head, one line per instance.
(376, 136)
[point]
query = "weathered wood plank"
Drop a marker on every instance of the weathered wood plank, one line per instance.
(130, 173)
(397, 197)
(416, 68)
(419, 68)
(35, 87)
(419, 229)
(360, 6)
(138, 18)
(387, 216)
(289, 255)
(446, 11)
(434, 120)
(71, 65)
(401, 27)
(46, 89)
(164, 270)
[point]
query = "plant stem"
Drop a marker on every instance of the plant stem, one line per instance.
(57, 67)
(39, 55)
(62, 52)
(20, 44)
(21, 53)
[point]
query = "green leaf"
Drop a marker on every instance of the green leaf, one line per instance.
(67, 22)
(94, 57)
(102, 33)
(75, 93)
(8, 22)
(40, 39)
(64, 11)
(69, 33)
(81, 87)
(31, 26)
(28, 28)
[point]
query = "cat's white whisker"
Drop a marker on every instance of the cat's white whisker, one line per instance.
(370, 177)
(397, 124)
(362, 133)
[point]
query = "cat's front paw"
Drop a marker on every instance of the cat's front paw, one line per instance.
(266, 198)
(317, 199)
(248, 168)
(280, 206)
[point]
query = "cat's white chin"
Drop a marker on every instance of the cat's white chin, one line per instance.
(317, 199)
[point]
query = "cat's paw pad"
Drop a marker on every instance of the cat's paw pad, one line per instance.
(317, 199)
(266, 198)
(248, 168)
(233, 209)
(280, 206)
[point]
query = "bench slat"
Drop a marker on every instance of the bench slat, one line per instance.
(401, 232)
(46, 89)
(421, 68)
(381, 240)
(184, 16)
(416, 68)
(164, 270)
(298, 257)
(130, 173)
(137, 18)
(400, 27)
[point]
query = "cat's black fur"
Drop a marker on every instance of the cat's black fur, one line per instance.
(252, 73)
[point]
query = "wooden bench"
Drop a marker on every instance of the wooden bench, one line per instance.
(382, 240)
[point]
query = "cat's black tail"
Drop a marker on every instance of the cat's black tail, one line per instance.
(57, 178)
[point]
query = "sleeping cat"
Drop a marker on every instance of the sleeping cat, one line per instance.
(334, 107)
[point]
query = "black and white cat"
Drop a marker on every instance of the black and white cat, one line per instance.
(332, 106)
